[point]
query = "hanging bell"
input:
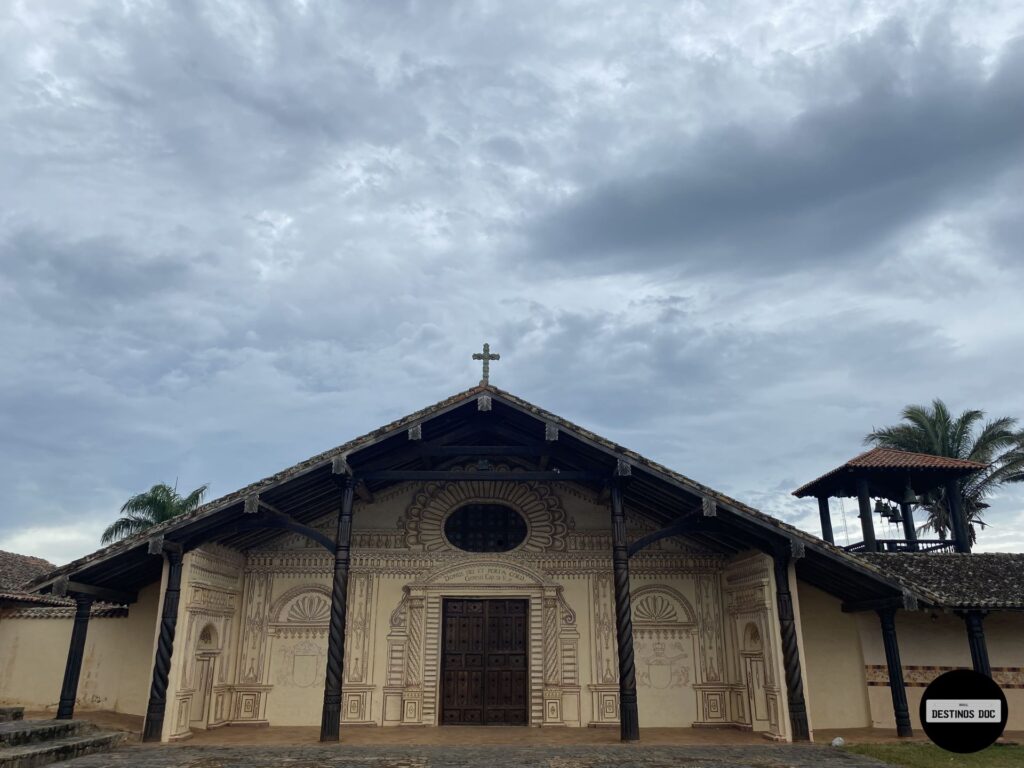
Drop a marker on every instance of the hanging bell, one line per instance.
(895, 516)
(909, 497)
(879, 509)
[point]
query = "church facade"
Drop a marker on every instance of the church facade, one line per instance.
(484, 562)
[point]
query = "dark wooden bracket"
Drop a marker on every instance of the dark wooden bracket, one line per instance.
(685, 524)
(64, 587)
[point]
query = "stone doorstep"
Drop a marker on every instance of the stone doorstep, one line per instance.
(21, 732)
(9, 714)
(67, 748)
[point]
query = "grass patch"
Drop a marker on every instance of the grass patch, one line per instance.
(930, 756)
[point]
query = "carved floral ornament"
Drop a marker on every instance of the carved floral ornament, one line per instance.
(546, 521)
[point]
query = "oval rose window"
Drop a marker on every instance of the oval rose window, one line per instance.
(485, 528)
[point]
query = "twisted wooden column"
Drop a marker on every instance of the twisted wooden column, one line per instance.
(76, 652)
(976, 640)
(892, 659)
(164, 649)
(330, 722)
(629, 721)
(790, 647)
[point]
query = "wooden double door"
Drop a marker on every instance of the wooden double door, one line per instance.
(484, 671)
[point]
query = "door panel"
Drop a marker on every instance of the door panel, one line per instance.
(484, 662)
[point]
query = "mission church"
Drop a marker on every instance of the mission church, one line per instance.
(486, 562)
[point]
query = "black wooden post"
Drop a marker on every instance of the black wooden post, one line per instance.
(909, 530)
(957, 521)
(976, 640)
(164, 648)
(790, 647)
(76, 652)
(892, 660)
(330, 722)
(867, 523)
(629, 720)
(826, 520)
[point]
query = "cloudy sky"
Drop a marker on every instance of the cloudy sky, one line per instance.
(731, 235)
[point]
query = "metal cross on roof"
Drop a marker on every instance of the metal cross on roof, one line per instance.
(486, 356)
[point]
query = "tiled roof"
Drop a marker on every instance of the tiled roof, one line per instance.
(26, 606)
(17, 570)
(850, 561)
(892, 458)
(979, 580)
(14, 597)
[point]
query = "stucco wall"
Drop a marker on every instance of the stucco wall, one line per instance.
(116, 668)
(834, 664)
(930, 644)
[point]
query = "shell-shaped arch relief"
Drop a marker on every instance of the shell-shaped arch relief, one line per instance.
(304, 610)
(662, 611)
(539, 505)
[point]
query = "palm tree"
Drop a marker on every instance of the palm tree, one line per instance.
(144, 510)
(996, 443)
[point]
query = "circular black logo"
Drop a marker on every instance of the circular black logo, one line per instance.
(963, 711)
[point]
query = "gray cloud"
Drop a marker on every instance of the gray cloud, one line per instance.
(235, 234)
(831, 185)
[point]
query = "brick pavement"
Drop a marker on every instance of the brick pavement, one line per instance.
(465, 756)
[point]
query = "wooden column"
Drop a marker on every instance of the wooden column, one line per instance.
(330, 721)
(76, 652)
(892, 660)
(826, 520)
(909, 530)
(976, 640)
(790, 647)
(867, 523)
(165, 646)
(629, 720)
(957, 521)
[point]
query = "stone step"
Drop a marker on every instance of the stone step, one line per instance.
(9, 714)
(34, 754)
(20, 732)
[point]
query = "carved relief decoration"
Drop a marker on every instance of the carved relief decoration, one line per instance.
(710, 629)
(541, 508)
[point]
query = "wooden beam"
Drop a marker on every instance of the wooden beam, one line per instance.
(493, 451)
(419, 475)
(65, 586)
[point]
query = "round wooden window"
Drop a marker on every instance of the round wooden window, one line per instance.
(485, 528)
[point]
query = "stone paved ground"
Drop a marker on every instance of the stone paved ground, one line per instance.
(333, 756)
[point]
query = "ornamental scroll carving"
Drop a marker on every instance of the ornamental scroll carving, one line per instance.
(546, 521)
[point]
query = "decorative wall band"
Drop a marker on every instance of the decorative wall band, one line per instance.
(919, 676)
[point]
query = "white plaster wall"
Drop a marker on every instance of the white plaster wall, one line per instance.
(939, 640)
(834, 663)
(116, 668)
